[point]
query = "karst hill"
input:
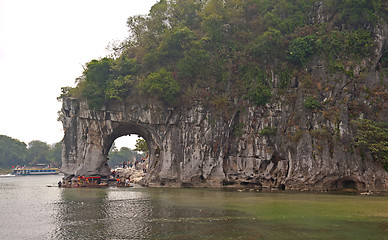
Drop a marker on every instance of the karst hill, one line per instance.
(262, 93)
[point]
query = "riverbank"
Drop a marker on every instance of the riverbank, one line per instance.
(134, 175)
(4, 171)
(122, 177)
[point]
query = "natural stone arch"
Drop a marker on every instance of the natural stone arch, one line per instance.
(89, 135)
(181, 146)
(122, 129)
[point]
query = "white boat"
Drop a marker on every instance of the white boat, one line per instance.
(7, 175)
(34, 171)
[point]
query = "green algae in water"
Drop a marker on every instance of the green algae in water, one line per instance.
(230, 215)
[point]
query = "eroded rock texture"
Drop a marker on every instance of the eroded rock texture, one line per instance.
(298, 149)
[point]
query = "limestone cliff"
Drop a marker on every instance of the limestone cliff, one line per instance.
(284, 144)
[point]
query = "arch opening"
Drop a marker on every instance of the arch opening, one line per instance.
(127, 157)
(344, 183)
(123, 152)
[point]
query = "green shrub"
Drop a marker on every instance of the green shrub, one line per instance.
(98, 71)
(359, 12)
(336, 66)
(284, 78)
(360, 42)
(301, 49)
(374, 137)
(65, 92)
(333, 43)
(384, 59)
(173, 45)
(119, 88)
(97, 75)
(162, 85)
(256, 84)
(238, 130)
(194, 63)
(260, 94)
(268, 131)
(319, 133)
(125, 66)
(267, 45)
(311, 102)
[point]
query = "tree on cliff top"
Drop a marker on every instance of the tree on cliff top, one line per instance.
(210, 48)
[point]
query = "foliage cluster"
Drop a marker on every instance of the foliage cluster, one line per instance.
(320, 133)
(356, 13)
(373, 136)
(239, 130)
(141, 145)
(195, 49)
(13, 153)
(268, 131)
(311, 102)
(162, 85)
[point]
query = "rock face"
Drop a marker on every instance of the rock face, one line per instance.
(283, 144)
(280, 145)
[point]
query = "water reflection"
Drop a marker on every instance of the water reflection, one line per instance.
(81, 213)
(138, 213)
(129, 211)
(96, 213)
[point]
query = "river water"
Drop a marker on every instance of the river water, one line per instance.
(31, 210)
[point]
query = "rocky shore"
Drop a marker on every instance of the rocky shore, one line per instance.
(121, 177)
(134, 175)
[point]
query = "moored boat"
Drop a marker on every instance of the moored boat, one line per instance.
(7, 175)
(24, 171)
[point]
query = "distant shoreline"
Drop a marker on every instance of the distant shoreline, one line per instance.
(4, 171)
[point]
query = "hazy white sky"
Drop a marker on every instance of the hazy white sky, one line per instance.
(43, 45)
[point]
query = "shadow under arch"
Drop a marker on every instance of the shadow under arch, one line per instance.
(347, 182)
(153, 140)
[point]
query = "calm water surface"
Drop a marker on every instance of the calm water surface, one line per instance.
(31, 210)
